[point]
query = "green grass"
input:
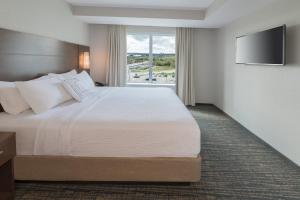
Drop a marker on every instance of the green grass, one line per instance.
(163, 68)
(156, 69)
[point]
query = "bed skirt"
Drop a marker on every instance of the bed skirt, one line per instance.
(72, 168)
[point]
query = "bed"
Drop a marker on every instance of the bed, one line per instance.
(117, 134)
(132, 131)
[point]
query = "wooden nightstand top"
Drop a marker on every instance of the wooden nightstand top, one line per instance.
(7, 147)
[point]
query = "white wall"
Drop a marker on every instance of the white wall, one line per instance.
(204, 45)
(265, 99)
(51, 18)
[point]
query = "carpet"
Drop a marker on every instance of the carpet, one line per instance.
(236, 165)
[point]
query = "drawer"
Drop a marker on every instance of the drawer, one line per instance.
(7, 147)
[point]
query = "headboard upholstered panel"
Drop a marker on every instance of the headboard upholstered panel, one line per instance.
(25, 56)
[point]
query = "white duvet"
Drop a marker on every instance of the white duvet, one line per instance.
(113, 122)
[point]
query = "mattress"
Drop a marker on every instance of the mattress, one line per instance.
(111, 122)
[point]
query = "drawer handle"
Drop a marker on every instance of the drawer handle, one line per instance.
(1, 152)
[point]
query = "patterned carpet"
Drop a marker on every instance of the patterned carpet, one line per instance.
(236, 165)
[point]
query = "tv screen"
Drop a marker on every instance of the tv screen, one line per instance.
(265, 47)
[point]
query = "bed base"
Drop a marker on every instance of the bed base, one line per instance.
(70, 168)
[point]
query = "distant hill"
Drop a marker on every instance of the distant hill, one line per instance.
(147, 54)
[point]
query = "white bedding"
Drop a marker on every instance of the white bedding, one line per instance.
(113, 122)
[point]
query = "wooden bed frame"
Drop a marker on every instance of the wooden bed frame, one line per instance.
(70, 168)
(25, 56)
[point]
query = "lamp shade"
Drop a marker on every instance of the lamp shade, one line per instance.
(84, 60)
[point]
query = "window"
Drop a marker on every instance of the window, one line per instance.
(151, 58)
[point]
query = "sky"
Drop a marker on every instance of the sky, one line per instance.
(140, 44)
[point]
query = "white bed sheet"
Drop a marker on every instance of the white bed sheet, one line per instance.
(113, 122)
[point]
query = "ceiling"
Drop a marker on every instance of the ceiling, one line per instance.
(169, 13)
(156, 4)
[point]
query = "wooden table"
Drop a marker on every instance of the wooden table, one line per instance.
(7, 153)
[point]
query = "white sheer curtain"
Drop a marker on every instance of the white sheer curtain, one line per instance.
(185, 66)
(116, 60)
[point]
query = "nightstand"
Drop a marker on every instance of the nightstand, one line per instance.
(7, 153)
(98, 84)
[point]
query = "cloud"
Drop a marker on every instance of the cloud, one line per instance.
(140, 44)
(163, 44)
(137, 44)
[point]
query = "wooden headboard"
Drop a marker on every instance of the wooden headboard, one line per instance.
(25, 56)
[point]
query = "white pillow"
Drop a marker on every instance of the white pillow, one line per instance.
(63, 76)
(79, 86)
(84, 76)
(43, 95)
(11, 99)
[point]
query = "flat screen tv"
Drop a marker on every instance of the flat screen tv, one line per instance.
(264, 48)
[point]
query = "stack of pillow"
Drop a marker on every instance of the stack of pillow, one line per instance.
(45, 92)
